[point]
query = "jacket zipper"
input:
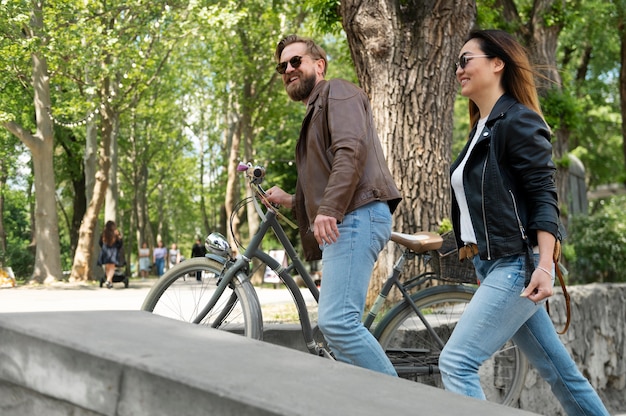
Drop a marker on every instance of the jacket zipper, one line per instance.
(519, 221)
(482, 196)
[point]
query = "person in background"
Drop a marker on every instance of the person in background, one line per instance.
(506, 220)
(110, 251)
(158, 257)
(173, 255)
(144, 261)
(344, 198)
(198, 250)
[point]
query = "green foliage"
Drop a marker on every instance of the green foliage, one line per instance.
(19, 255)
(596, 246)
(489, 16)
(219, 77)
(597, 142)
(561, 109)
(461, 130)
(445, 226)
(587, 103)
(589, 55)
(326, 15)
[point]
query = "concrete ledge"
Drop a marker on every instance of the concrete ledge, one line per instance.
(286, 335)
(136, 363)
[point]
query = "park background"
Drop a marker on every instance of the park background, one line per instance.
(139, 111)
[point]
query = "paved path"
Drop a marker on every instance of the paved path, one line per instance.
(90, 297)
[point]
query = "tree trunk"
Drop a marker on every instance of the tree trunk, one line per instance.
(3, 234)
(110, 205)
(404, 55)
(622, 74)
(82, 266)
(542, 46)
(48, 253)
(232, 186)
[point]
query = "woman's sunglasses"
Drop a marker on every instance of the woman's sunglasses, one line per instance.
(295, 62)
(463, 60)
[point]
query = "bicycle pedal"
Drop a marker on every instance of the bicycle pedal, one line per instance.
(323, 352)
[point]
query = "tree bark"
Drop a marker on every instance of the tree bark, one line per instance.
(41, 144)
(404, 55)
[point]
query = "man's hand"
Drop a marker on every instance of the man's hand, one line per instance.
(325, 229)
(275, 195)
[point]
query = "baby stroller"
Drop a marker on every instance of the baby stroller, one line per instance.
(118, 276)
(109, 255)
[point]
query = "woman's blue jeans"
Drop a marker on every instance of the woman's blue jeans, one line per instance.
(496, 314)
(160, 266)
(346, 271)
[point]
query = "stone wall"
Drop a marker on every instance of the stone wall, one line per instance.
(596, 340)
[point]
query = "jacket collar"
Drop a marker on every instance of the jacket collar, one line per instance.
(316, 92)
(501, 107)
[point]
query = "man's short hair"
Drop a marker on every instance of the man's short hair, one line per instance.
(313, 49)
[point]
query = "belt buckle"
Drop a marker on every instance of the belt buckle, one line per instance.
(468, 251)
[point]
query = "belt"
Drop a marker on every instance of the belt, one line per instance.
(468, 251)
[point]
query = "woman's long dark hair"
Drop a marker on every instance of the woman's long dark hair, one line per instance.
(110, 233)
(518, 77)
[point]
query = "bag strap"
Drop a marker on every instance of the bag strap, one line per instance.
(557, 267)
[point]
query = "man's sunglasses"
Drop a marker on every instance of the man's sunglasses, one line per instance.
(295, 62)
(464, 59)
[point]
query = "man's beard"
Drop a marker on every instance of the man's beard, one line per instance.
(303, 89)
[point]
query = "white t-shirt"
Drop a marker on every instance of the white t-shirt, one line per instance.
(456, 180)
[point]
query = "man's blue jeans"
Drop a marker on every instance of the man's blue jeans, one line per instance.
(346, 271)
(496, 314)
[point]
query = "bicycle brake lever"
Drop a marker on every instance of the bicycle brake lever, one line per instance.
(263, 197)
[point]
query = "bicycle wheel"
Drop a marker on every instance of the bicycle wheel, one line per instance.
(185, 289)
(415, 353)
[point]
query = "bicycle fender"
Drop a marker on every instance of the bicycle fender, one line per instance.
(215, 257)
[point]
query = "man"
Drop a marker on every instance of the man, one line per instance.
(198, 250)
(344, 198)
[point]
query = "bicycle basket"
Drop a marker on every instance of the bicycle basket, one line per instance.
(447, 264)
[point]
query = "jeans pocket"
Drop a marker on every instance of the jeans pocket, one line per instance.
(380, 225)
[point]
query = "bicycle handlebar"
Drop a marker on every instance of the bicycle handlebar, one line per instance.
(255, 176)
(254, 173)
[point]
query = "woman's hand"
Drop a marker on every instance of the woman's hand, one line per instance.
(540, 286)
(275, 195)
(541, 281)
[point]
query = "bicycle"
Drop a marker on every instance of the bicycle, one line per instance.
(412, 332)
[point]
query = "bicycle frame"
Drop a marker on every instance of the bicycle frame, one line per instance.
(412, 331)
(394, 280)
(253, 251)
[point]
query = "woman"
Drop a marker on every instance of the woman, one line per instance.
(173, 255)
(144, 260)
(506, 219)
(158, 257)
(111, 250)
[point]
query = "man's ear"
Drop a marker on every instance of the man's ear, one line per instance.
(320, 65)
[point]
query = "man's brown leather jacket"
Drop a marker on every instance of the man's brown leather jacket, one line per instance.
(340, 161)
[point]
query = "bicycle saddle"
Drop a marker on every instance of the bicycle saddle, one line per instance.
(419, 242)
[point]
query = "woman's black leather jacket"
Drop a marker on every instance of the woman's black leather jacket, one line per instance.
(509, 182)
